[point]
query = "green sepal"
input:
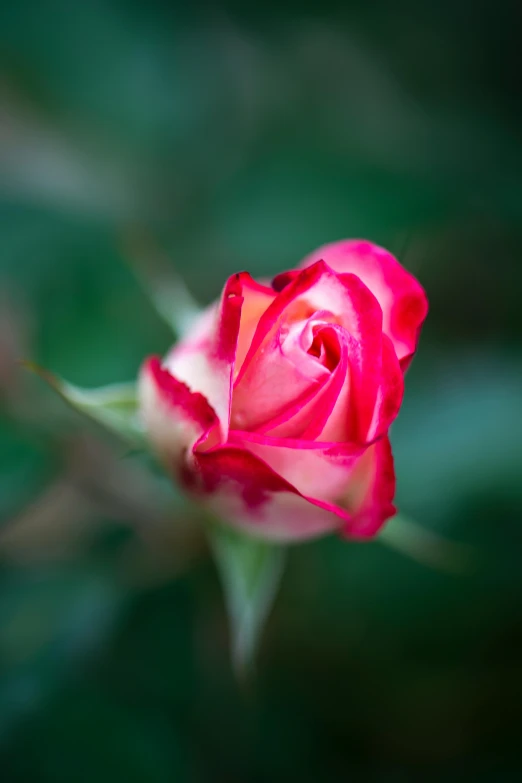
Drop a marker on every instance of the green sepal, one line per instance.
(115, 407)
(250, 572)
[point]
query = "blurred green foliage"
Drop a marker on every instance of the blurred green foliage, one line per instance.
(243, 136)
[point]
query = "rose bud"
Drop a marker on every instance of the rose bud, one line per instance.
(274, 409)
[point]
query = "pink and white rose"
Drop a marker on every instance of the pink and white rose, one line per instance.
(274, 409)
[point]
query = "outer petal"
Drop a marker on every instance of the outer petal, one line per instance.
(243, 490)
(402, 298)
(370, 491)
(321, 470)
(176, 419)
(251, 488)
(205, 361)
(390, 392)
(362, 482)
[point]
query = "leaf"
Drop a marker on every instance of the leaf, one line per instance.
(115, 407)
(250, 571)
(166, 290)
(425, 546)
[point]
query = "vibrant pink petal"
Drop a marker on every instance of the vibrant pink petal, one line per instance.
(402, 298)
(331, 415)
(361, 404)
(241, 489)
(317, 469)
(270, 321)
(297, 417)
(257, 298)
(278, 489)
(206, 360)
(281, 374)
(327, 417)
(314, 289)
(336, 476)
(354, 402)
(176, 419)
(370, 492)
(347, 306)
(390, 392)
(345, 411)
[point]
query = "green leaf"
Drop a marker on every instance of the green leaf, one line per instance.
(115, 407)
(425, 546)
(250, 571)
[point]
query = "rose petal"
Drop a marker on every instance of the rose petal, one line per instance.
(402, 298)
(370, 492)
(206, 361)
(366, 384)
(313, 289)
(242, 489)
(281, 374)
(320, 470)
(352, 306)
(294, 419)
(257, 298)
(360, 481)
(328, 415)
(344, 410)
(389, 394)
(176, 419)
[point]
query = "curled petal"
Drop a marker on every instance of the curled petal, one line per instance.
(359, 400)
(244, 490)
(206, 361)
(257, 298)
(402, 298)
(176, 419)
(370, 491)
(345, 410)
(314, 289)
(351, 310)
(324, 416)
(357, 484)
(366, 397)
(281, 375)
(389, 394)
(317, 469)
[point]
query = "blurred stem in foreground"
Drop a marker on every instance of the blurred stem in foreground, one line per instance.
(166, 289)
(425, 546)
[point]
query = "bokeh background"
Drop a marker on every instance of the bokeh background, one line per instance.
(232, 136)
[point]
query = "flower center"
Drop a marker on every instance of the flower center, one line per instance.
(310, 345)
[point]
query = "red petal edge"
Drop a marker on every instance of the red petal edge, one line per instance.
(401, 296)
(172, 404)
(375, 506)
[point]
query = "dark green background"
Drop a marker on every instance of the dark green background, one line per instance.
(243, 135)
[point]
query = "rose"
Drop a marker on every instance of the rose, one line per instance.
(274, 410)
